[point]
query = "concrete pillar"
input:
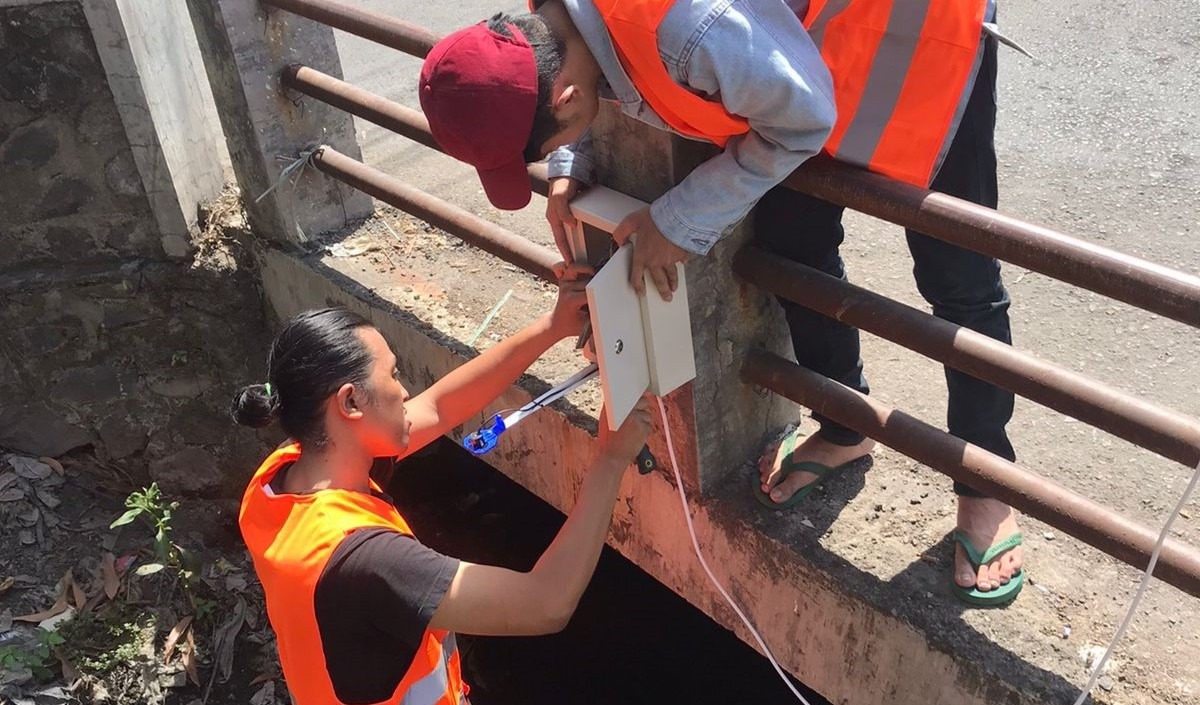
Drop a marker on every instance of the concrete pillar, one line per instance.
(245, 46)
(717, 422)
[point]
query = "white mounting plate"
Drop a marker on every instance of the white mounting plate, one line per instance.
(654, 352)
(619, 337)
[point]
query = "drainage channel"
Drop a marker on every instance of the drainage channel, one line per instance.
(631, 640)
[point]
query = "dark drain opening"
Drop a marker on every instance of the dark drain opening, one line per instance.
(631, 640)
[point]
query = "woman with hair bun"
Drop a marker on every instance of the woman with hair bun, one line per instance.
(363, 612)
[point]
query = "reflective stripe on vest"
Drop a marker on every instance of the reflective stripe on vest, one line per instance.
(900, 72)
(901, 69)
(431, 689)
(291, 538)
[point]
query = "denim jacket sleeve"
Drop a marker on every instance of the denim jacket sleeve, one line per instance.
(574, 160)
(757, 58)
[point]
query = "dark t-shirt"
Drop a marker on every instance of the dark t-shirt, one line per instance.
(373, 603)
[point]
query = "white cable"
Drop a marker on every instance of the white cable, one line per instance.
(704, 564)
(1141, 591)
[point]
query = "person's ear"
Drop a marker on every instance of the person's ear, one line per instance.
(567, 98)
(349, 401)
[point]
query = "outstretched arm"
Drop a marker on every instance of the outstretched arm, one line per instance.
(467, 390)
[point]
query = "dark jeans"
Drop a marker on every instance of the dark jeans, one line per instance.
(961, 286)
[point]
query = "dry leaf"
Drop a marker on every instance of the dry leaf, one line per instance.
(12, 495)
(6, 584)
(261, 678)
(77, 592)
(59, 607)
(173, 638)
(123, 563)
(223, 644)
(70, 673)
(109, 570)
(7, 479)
(265, 695)
(189, 658)
(47, 499)
(54, 465)
(29, 468)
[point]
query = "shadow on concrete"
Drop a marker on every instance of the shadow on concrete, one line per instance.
(920, 594)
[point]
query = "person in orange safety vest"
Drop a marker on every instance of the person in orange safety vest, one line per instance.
(362, 611)
(905, 88)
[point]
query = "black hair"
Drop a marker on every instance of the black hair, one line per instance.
(314, 354)
(549, 53)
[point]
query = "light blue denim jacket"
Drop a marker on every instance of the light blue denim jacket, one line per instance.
(755, 57)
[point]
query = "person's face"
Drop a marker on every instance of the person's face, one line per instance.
(576, 110)
(382, 427)
(576, 98)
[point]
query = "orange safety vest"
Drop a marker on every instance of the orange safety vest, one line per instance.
(900, 71)
(291, 537)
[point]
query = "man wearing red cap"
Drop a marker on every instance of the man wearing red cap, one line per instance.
(901, 87)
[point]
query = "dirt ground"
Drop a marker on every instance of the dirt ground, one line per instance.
(59, 560)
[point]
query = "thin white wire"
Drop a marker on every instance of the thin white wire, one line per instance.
(1141, 591)
(704, 564)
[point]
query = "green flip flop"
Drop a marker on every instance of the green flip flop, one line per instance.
(789, 466)
(992, 598)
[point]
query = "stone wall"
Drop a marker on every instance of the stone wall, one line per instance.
(116, 340)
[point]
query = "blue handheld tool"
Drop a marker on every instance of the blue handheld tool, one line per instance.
(485, 438)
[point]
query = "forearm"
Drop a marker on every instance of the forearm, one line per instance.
(493, 601)
(468, 389)
(566, 566)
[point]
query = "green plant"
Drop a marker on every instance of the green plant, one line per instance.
(150, 503)
(39, 660)
(96, 643)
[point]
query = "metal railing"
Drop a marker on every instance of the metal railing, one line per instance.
(1154, 288)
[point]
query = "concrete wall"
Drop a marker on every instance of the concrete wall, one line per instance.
(727, 315)
(154, 69)
(845, 640)
(114, 340)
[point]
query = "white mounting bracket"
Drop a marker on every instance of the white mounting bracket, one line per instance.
(642, 343)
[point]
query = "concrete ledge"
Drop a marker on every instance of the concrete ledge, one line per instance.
(842, 589)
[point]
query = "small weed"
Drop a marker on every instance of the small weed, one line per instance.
(150, 504)
(98, 643)
(40, 660)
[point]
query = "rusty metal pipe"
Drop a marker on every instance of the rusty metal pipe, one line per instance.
(474, 230)
(375, 26)
(1135, 281)
(1166, 432)
(379, 110)
(1116, 535)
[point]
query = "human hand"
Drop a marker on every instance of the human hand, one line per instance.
(623, 445)
(558, 212)
(570, 311)
(652, 252)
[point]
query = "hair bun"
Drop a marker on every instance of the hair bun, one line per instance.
(253, 406)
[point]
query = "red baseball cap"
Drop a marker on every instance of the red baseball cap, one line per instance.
(479, 92)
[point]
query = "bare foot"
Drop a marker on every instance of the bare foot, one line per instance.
(986, 521)
(812, 449)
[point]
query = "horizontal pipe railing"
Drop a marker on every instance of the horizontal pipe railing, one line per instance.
(1143, 284)
(1135, 281)
(1072, 513)
(1161, 430)
(481, 233)
(1123, 277)
(368, 24)
(378, 110)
